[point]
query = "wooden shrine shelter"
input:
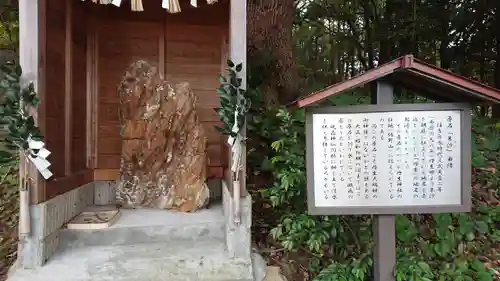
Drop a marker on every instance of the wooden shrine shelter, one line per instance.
(76, 53)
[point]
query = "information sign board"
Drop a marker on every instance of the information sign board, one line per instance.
(389, 159)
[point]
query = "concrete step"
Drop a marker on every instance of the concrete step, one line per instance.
(203, 260)
(150, 226)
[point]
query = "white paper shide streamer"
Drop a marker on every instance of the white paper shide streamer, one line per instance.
(236, 145)
(117, 3)
(136, 5)
(40, 161)
(172, 6)
(236, 151)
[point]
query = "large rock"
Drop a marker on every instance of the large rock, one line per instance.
(163, 162)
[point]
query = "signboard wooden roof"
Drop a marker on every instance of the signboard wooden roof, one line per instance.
(172, 6)
(416, 75)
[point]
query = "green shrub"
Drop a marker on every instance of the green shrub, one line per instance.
(441, 247)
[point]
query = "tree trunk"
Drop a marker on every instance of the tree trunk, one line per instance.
(385, 33)
(444, 12)
(367, 15)
(495, 113)
(270, 34)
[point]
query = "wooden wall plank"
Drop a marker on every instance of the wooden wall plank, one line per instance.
(92, 107)
(185, 52)
(64, 184)
(108, 161)
(56, 81)
(213, 135)
(125, 42)
(161, 49)
(78, 88)
(194, 54)
(65, 75)
(111, 145)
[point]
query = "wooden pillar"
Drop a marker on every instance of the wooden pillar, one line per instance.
(162, 46)
(32, 60)
(238, 54)
(238, 35)
(92, 68)
(384, 226)
(68, 98)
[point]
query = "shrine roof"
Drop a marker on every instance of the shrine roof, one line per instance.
(415, 75)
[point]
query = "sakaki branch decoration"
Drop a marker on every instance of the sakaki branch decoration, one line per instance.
(38, 156)
(235, 105)
(16, 100)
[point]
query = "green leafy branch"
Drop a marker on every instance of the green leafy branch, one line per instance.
(439, 247)
(233, 98)
(15, 103)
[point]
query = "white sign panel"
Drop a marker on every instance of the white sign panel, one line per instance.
(387, 159)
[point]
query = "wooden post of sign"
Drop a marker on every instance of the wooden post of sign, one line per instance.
(384, 226)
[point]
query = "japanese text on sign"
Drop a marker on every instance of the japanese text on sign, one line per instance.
(387, 159)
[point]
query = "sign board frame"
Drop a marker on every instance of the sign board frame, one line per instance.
(465, 161)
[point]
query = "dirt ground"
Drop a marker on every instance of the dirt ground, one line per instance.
(9, 207)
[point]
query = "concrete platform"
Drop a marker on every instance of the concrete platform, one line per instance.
(204, 260)
(150, 226)
(145, 245)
